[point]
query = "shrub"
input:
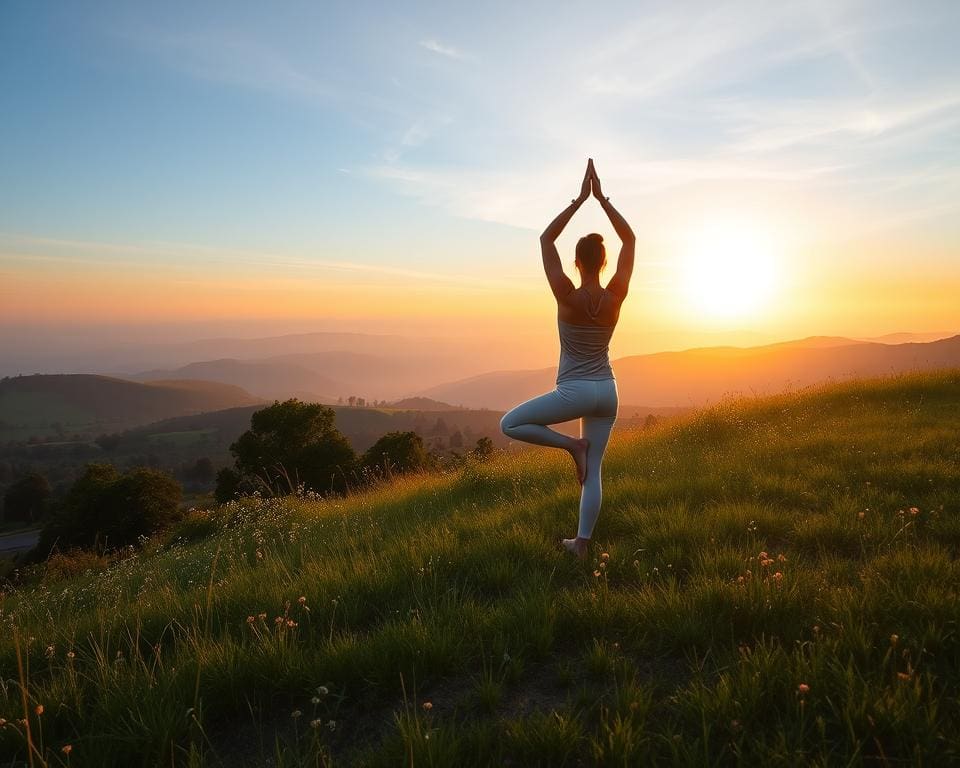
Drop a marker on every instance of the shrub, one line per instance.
(104, 508)
(395, 452)
(26, 500)
(289, 444)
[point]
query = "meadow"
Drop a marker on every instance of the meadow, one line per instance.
(772, 580)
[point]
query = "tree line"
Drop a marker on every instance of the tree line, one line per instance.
(291, 447)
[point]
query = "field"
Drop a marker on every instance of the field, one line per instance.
(773, 581)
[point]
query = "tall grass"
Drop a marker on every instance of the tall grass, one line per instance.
(771, 579)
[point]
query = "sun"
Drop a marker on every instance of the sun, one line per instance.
(729, 269)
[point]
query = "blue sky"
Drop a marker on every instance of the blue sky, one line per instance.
(431, 141)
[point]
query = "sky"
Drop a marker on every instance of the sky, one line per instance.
(194, 169)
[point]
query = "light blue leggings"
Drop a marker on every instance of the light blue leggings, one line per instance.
(595, 404)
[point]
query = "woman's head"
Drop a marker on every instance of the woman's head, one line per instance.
(591, 255)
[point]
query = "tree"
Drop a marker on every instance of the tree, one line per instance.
(484, 449)
(228, 484)
(293, 442)
(108, 442)
(26, 500)
(456, 439)
(650, 421)
(396, 452)
(201, 471)
(352, 400)
(104, 508)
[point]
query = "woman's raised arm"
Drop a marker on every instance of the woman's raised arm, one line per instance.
(560, 284)
(620, 282)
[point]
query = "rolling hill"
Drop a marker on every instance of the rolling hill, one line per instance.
(695, 377)
(47, 404)
(269, 379)
(325, 376)
(772, 582)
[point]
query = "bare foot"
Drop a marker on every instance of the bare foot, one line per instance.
(576, 547)
(579, 453)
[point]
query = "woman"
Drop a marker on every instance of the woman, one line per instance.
(586, 388)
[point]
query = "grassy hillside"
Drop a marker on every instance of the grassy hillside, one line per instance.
(83, 403)
(772, 580)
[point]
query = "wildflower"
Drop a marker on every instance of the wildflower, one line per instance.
(861, 515)
(49, 651)
(781, 558)
(71, 655)
(740, 579)
(250, 619)
(803, 688)
(914, 511)
(816, 629)
(302, 600)
(903, 675)
(331, 724)
(278, 620)
(315, 700)
(604, 557)
(603, 566)
(39, 709)
(322, 690)
(295, 714)
(597, 574)
(66, 749)
(3, 722)
(316, 723)
(291, 623)
(778, 576)
(893, 640)
(427, 706)
(262, 616)
(762, 556)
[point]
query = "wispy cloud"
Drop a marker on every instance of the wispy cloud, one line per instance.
(190, 255)
(444, 50)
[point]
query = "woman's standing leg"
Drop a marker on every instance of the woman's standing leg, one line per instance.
(597, 430)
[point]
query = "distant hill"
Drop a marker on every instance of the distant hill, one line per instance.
(698, 376)
(904, 338)
(361, 426)
(326, 376)
(85, 403)
(267, 379)
(422, 404)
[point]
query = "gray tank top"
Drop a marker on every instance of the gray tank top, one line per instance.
(584, 352)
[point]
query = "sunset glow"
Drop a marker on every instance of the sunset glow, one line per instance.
(366, 168)
(729, 269)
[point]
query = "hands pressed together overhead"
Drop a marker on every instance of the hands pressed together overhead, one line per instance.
(591, 182)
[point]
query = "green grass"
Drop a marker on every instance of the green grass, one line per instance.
(685, 646)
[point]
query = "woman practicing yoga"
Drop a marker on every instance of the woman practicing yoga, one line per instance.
(586, 388)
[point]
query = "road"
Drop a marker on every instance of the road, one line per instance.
(11, 543)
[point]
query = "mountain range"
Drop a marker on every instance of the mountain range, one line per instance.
(695, 377)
